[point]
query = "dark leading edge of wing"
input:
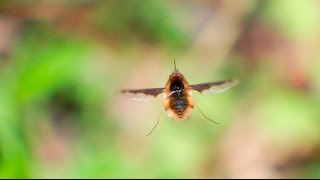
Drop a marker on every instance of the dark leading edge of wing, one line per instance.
(214, 87)
(142, 94)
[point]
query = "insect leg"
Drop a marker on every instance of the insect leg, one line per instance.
(156, 124)
(205, 115)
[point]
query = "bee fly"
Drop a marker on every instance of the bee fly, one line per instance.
(178, 101)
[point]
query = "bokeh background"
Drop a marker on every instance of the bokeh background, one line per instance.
(63, 61)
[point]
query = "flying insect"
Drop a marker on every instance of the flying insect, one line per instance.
(177, 93)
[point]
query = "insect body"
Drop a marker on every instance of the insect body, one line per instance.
(178, 101)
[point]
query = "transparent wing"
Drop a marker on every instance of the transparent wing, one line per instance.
(142, 94)
(214, 87)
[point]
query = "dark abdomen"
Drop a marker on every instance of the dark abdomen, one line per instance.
(179, 105)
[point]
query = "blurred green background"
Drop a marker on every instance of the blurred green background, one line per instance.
(62, 62)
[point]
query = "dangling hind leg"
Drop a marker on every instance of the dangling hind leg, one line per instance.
(205, 115)
(156, 124)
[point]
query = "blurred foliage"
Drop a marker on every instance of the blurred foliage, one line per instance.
(60, 115)
(296, 21)
(145, 20)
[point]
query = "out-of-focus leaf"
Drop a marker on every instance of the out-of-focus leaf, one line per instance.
(45, 61)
